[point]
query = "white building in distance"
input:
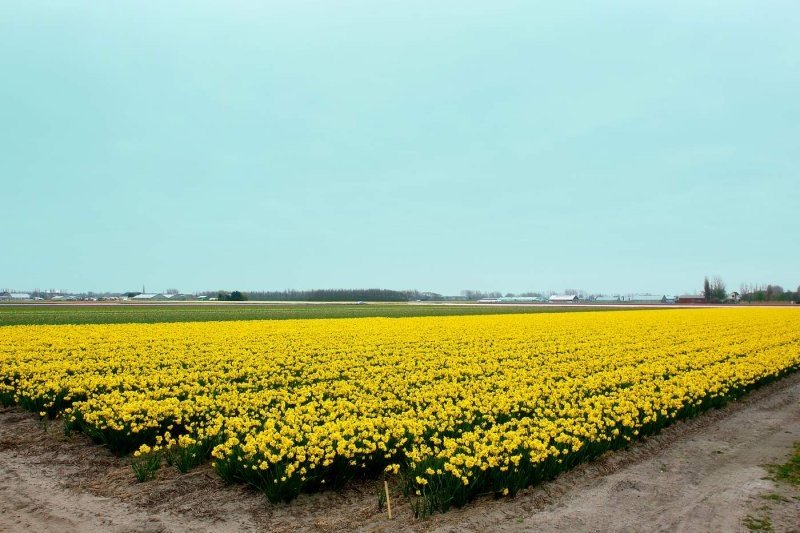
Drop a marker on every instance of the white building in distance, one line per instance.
(563, 299)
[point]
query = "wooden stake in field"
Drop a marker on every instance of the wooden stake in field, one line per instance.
(388, 502)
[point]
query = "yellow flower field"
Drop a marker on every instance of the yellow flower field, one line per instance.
(454, 406)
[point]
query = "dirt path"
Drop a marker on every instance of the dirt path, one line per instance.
(703, 475)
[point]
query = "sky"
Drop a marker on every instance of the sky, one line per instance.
(614, 147)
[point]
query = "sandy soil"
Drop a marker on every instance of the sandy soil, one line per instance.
(707, 474)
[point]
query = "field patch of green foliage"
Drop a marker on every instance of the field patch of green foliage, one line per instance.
(790, 470)
(16, 314)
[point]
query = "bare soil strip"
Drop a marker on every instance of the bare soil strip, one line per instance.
(706, 474)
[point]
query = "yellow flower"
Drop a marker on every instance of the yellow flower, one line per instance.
(476, 397)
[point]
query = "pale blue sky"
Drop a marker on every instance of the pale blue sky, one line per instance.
(497, 145)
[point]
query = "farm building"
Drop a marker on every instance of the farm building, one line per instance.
(646, 299)
(15, 296)
(733, 297)
(180, 296)
(691, 299)
(608, 299)
(520, 299)
(149, 297)
(563, 299)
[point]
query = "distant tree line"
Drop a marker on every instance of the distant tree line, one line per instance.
(316, 295)
(768, 293)
(367, 295)
(234, 296)
(470, 294)
(415, 295)
(714, 291)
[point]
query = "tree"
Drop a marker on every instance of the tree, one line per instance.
(707, 289)
(746, 291)
(718, 292)
(777, 292)
(470, 294)
(237, 296)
